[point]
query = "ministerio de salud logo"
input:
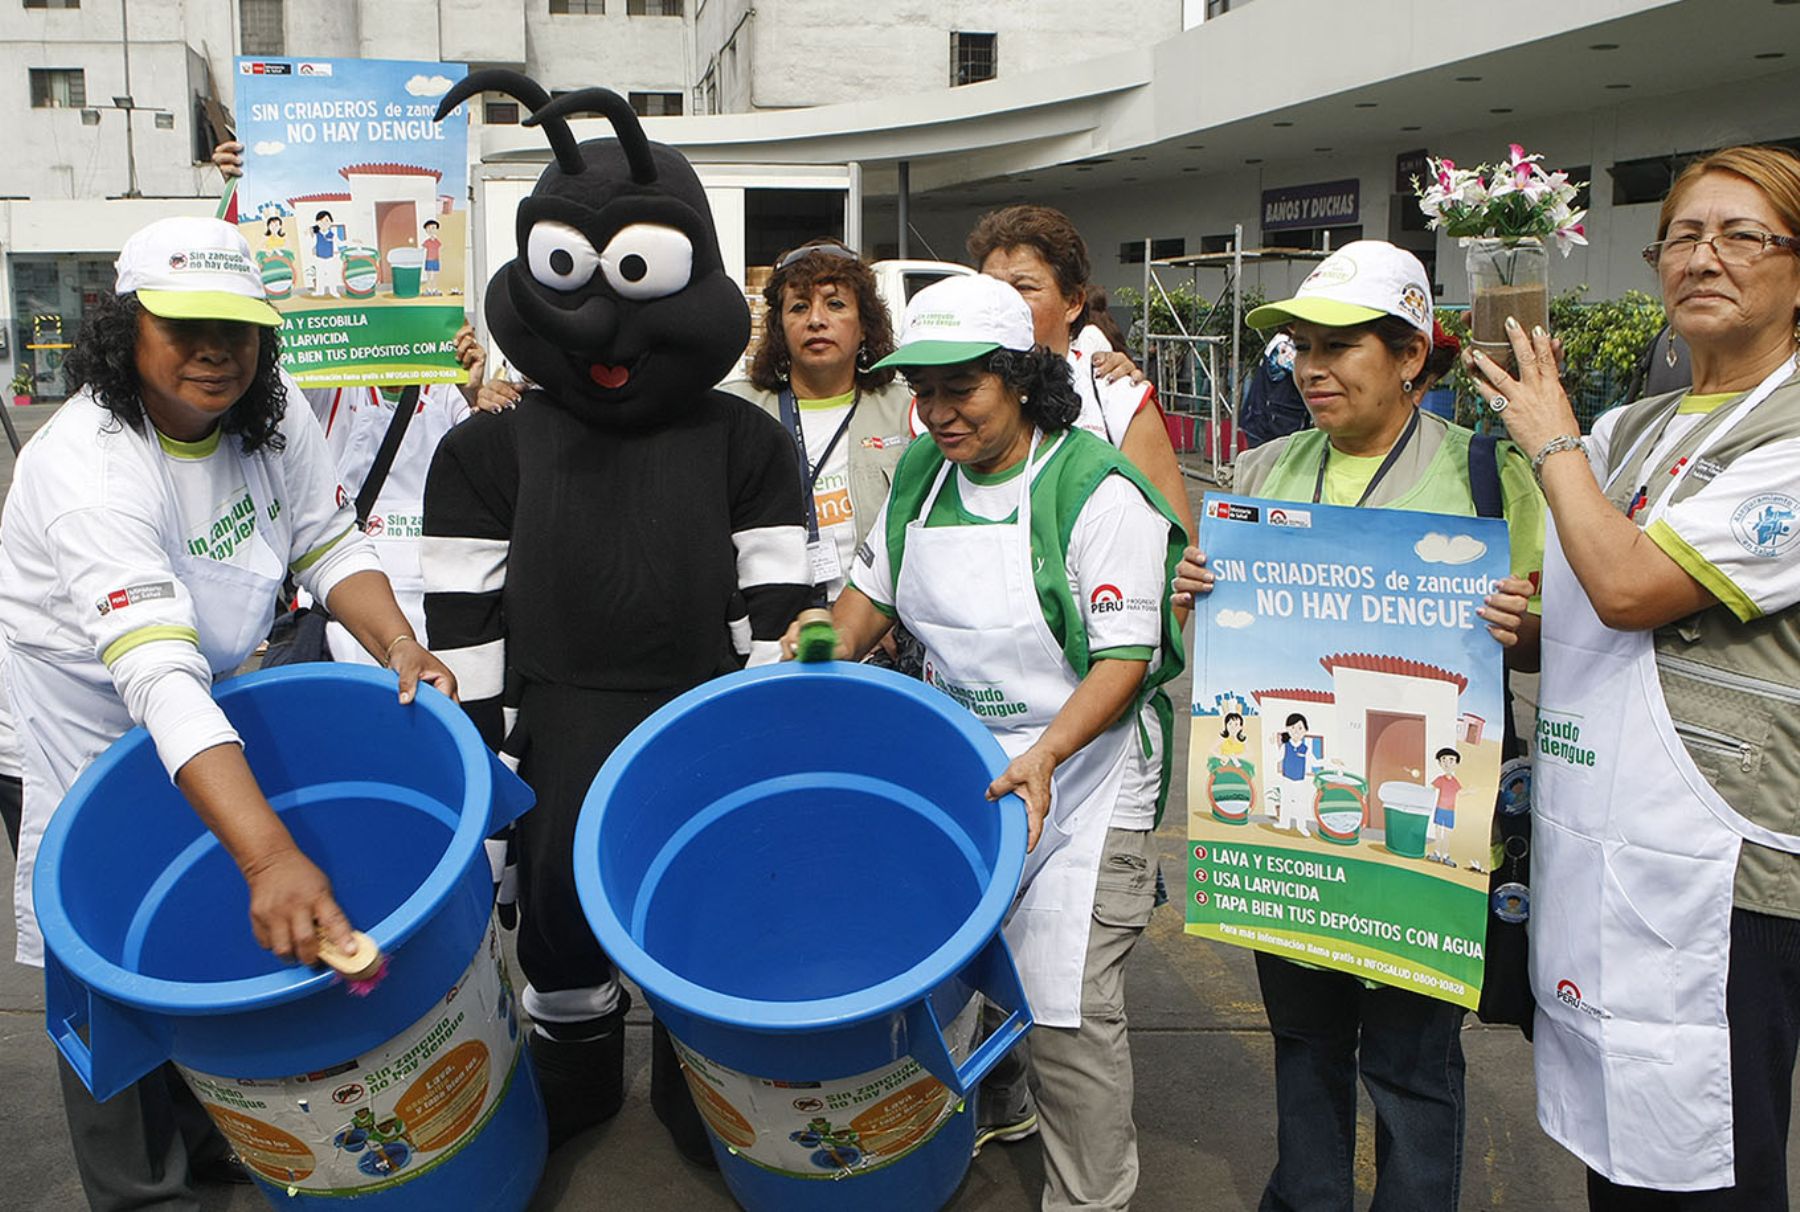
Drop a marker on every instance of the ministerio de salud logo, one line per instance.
(1765, 526)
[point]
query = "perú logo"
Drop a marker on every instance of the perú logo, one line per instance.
(1106, 599)
(1569, 994)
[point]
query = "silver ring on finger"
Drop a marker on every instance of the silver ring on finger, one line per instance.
(1497, 404)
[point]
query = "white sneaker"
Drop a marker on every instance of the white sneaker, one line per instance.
(1010, 1120)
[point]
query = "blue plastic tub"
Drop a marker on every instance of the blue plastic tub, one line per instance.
(418, 1095)
(798, 866)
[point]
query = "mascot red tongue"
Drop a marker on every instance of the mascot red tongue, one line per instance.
(623, 535)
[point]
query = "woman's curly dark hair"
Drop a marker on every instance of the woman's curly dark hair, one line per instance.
(1046, 389)
(104, 360)
(769, 365)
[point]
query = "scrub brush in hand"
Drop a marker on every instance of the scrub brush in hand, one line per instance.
(363, 971)
(818, 639)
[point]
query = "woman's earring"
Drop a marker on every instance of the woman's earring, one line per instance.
(1407, 385)
(862, 357)
(781, 369)
(1670, 357)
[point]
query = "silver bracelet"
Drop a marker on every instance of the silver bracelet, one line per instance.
(1556, 445)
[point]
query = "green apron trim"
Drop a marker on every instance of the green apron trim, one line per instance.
(1065, 480)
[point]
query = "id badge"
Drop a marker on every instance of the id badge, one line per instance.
(826, 567)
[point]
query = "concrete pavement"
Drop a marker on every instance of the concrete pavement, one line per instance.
(1204, 1099)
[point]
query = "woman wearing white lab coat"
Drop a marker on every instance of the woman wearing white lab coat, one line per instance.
(147, 532)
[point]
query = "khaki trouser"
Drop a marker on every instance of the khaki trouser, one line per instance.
(1081, 1077)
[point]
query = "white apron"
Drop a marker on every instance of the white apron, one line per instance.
(1634, 856)
(75, 711)
(967, 592)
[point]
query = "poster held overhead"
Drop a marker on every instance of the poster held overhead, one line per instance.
(356, 204)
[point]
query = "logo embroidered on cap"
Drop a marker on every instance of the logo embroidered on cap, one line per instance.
(1334, 272)
(1415, 305)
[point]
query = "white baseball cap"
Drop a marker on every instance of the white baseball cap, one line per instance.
(194, 269)
(1362, 281)
(960, 319)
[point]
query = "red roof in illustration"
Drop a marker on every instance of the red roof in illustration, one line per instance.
(1298, 696)
(320, 198)
(1395, 665)
(388, 168)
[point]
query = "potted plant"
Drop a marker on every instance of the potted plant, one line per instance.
(1503, 213)
(22, 383)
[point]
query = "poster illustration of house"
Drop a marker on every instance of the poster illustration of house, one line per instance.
(355, 204)
(1346, 740)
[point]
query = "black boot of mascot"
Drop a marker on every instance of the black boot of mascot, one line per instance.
(623, 535)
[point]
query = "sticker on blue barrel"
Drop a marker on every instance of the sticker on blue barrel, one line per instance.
(832, 1128)
(382, 1119)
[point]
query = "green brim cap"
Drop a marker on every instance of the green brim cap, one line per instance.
(937, 353)
(1330, 312)
(208, 305)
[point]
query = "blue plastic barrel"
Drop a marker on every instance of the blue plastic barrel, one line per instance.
(418, 1095)
(798, 866)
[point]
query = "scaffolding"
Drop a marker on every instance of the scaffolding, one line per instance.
(1185, 365)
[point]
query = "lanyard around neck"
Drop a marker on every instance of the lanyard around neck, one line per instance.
(1387, 464)
(809, 475)
(1665, 444)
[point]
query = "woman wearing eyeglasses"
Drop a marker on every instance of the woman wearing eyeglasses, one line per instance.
(1665, 950)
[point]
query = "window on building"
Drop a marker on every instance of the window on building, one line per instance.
(52, 3)
(1316, 238)
(973, 57)
(653, 8)
(58, 88)
(1217, 8)
(590, 8)
(1131, 252)
(500, 113)
(1217, 244)
(262, 26)
(655, 105)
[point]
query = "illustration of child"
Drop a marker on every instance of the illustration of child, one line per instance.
(1443, 820)
(1296, 787)
(433, 247)
(274, 235)
(328, 267)
(1231, 740)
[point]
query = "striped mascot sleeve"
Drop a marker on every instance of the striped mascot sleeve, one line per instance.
(469, 498)
(768, 532)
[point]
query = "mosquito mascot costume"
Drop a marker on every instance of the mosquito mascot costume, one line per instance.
(623, 535)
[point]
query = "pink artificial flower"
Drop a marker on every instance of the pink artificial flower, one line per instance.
(1518, 152)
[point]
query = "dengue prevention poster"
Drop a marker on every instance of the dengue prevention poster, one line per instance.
(355, 204)
(1346, 740)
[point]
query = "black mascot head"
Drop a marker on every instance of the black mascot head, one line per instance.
(617, 303)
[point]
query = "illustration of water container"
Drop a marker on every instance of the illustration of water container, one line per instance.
(807, 918)
(407, 264)
(418, 1095)
(277, 273)
(1406, 811)
(362, 270)
(1230, 790)
(1339, 805)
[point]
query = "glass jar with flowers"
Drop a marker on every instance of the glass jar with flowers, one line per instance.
(1503, 213)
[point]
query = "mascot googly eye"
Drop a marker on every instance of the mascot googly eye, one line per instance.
(560, 257)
